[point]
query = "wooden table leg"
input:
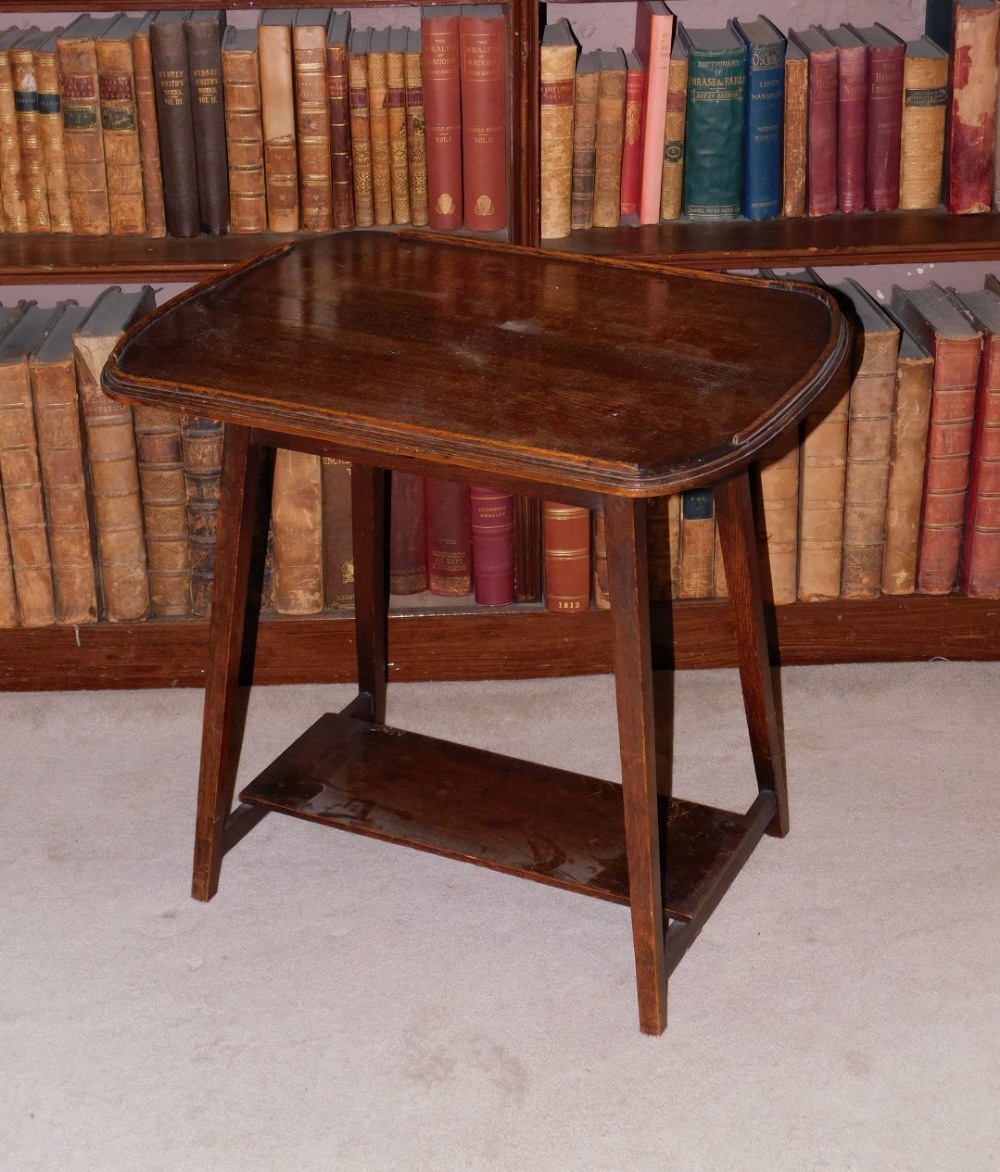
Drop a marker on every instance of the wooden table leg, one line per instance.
(738, 537)
(244, 506)
(628, 583)
(371, 596)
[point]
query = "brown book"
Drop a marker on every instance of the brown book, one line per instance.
(588, 81)
(885, 113)
(120, 127)
(672, 183)
(50, 129)
(482, 57)
(663, 536)
(112, 468)
(296, 518)
(697, 544)
(449, 537)
(720, 586)
(378, 123)
(149, 130)
(9, 317)
(794, 131)
(492, 525)
(416, 129)
(869, 440)
(610, 139)
(821, 120)
(15, 210)
(25, 83)
(779, 492)
(599, 544)
(20, 470)
(172, 86)
(60, 452)
(164, 509)
(203, 32)
(407, 534)
(361, 134)
(955, 344)
(277, 97)
(635, 83)
(566, 557)
(399, 179)
(340, 120)
(312, 118)
(76, 50)
(201, 454)
(925, 100)
(244, 131)
(443, 109)
(338, 546)
(557, 64)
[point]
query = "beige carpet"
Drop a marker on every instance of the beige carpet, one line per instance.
(347, 1005)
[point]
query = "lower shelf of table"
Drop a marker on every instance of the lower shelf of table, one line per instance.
(530, 820)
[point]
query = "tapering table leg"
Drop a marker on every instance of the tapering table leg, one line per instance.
(244, 506)
(738, 537)
(371, 595)
(628, 583)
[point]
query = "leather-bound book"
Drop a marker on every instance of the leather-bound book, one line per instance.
(635, 80)
(610, 139)
(674, 132)
(557, 65)
(663, 546)
(76, 49)
(9, 317)
(762, 133)
(112, 468)
(361, 129)
(416, 129)
(449, 537)
(120, 127)
(244, 131)
(24, 80)
(779, 502)
(338, 546)
(172, 86)
(955, 345)
(720, 585)
(697, 544)
(968, 30)
(50, 129)
(852, 117)
(60, 453)
(277, 99)
(588, 82)
(599, 543)
(885, 116)
(492, 521)
(399, 177)
(482, 40)
(201, 453)
(340, 120)
(796, 119)
(407, 534)
(312, 118)
(20, 470)
(654, 31)
(566, 557)
(296, 518)
(925, 100)
(378, 121)
(149, 130)
(443, 109)
(15, 211)
(164, 509)
(203, 31)
(821, 121)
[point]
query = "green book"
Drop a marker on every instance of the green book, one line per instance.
(716, 101)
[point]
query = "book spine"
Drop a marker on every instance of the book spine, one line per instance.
(8, 594)
(981, 541)
(492, 525)
(201, 455)
(312, 114)
(50, 125)
(762, 188)
(632, 141)
(15, 209)
(172, 84)
(338, 549)
(149, 141)
(599, 544)
(925, 100)
(208, 117)
(162, 491)
(663, 546)
(779, 491)
(972, 120)
(654, 36)
(852, 127)
(483, 112)
(697, 544)
(672, 189)
(822, 473)
(277, 100)
(713, 153)
(378, 120)
(399, 178)
(584, 149)
(296, 517)
(821, 148)
(720, 586)
(361, 139)
(36, 202)
(244, 141)
(793, 178)
(443, 107)
(416, 134)
(885, 117)
(566, 554)
(82, 137)
(407, 534)
(449, 537)
(609, 141)
(120, 128)
(904, 493)
(342, 178)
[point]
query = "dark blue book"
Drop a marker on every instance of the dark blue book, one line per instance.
(763, 130)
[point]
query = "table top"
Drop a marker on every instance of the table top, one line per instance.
(600, 374)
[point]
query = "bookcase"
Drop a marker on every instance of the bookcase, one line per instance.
(522, 639)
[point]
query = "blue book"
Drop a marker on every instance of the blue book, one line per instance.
(763, 130)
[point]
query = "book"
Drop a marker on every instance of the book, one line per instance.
(25, 97)
(296, 519)
(566, 557)
(482, 60)
(635, 80)
(378, 122)
(443, 114)
(794, 132)
(277, 109)
(203, 31)
(557, 70)
(663, 537)
(599, 544)
(342, 177)
(821, 120)
(955, 345)
(587, 88)
(449, 537)
(925, 100)
(50, 130)
(310, 35)
(492, 528)
(149, 132)
(162, 492)
(968, 30)
(244, 131)
(720, 586)
(609, 139)
(763, 132)
(886, 52)
(15, 210)
(60, 452)
(361, 135)
(716, 109)
(172, 87)
(8, 594)
(338, 546)
(407, 533)
(672, 185)
(416, 129)
(110, 458)
(399, 178)
(120, 127)
(201, 456)
(696, 565)
(654, 32)
(852, 117)
(778, 525)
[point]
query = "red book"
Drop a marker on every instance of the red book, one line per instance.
(484, 146)
(566, 544)
(407, 534)
(492, 517)
(449, 537)
(886, 53)
(443, 114)
(821, 151)
(631, 151)
(654, 30)
(852, 117)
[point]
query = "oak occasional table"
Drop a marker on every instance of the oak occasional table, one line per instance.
(591, 381)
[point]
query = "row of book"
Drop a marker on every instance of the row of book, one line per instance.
(747, 121)
(174, 124)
